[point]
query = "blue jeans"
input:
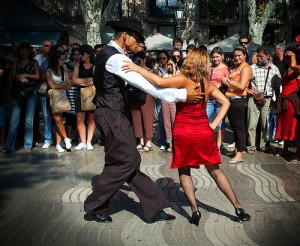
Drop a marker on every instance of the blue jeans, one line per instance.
(47, 118)
(212, 109)
(30, 104)
(271, 124)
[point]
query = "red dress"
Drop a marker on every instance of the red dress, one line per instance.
(193, 139)
(288, 126)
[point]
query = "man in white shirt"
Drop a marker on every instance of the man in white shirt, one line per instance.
(112, 116)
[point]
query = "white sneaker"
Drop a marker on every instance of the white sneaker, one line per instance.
(59, 149)
(281, 142)
(80, 146)
(231, 145)
(89, 146)
(68, 143)
(162, 147)
(46, 145)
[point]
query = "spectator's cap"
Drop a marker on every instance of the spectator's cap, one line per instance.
(131, 25)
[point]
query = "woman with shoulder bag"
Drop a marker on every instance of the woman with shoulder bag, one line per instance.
(83, 78)
(25, 75)
(58, 78)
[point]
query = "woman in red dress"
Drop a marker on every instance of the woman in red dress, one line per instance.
(193, 135)
(288, 107)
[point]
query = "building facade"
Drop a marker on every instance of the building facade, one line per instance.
(206, 21)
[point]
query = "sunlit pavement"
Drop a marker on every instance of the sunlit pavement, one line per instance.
(42, 194)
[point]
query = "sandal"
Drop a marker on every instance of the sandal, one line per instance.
(169, 150)
(139, 147)
(27, 150)
(147, 149)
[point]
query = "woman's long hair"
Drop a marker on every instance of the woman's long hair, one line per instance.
(195, 67)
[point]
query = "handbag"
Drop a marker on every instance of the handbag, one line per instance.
(135, 96)
(259, 98)
(59, 101)
(42, 88)
(87, 95)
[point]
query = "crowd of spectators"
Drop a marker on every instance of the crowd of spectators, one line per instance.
(271, 72)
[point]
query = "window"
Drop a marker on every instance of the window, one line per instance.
(161, 8)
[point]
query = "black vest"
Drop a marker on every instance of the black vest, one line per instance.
(110, 89)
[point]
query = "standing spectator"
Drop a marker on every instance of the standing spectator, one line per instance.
(143, 115)
(2, 106)
(288, 107)
(46, 48)
(217, 71)
(58, 78)
(162, 70)
(266, 76)
(70, 116)
(82, 77)
(177, 43)
(237, 81)
(175, 52)
(25, 75)
(46, 115)
(272, 117)
(245, 41)
(169, 108)
(97, 48)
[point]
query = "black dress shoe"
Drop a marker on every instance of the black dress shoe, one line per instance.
(104, 218)
(243, 216)
(161, 215)
(195, 218)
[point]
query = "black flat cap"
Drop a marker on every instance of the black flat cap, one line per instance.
(129, 24)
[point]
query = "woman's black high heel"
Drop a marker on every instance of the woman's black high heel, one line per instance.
(195, 218)
(243, 216)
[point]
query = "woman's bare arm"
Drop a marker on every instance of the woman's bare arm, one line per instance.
(214, 92)
(178, 81)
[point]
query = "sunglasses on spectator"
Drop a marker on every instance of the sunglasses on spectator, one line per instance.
(244, 42)
(162, 58)
(177, 56)
(47, 45)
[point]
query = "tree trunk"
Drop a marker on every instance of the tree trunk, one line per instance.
(94, 20)
(258, 17)
(93, 35)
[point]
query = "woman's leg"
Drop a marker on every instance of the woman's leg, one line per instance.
(91, 126)
(222, 182)
(80, 117)
(60, 132)
(188, 186)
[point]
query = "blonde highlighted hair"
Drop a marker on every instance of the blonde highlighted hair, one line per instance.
(196, 65)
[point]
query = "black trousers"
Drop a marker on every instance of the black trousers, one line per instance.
(236, 116)
(122, 164)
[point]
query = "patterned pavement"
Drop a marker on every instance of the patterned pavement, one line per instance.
(42, 196)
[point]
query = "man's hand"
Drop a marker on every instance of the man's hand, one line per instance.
(194, 95)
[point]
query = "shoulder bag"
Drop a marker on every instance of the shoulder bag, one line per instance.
(87, 95)
(59, 101)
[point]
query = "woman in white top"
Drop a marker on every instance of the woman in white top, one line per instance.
(58, 78)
